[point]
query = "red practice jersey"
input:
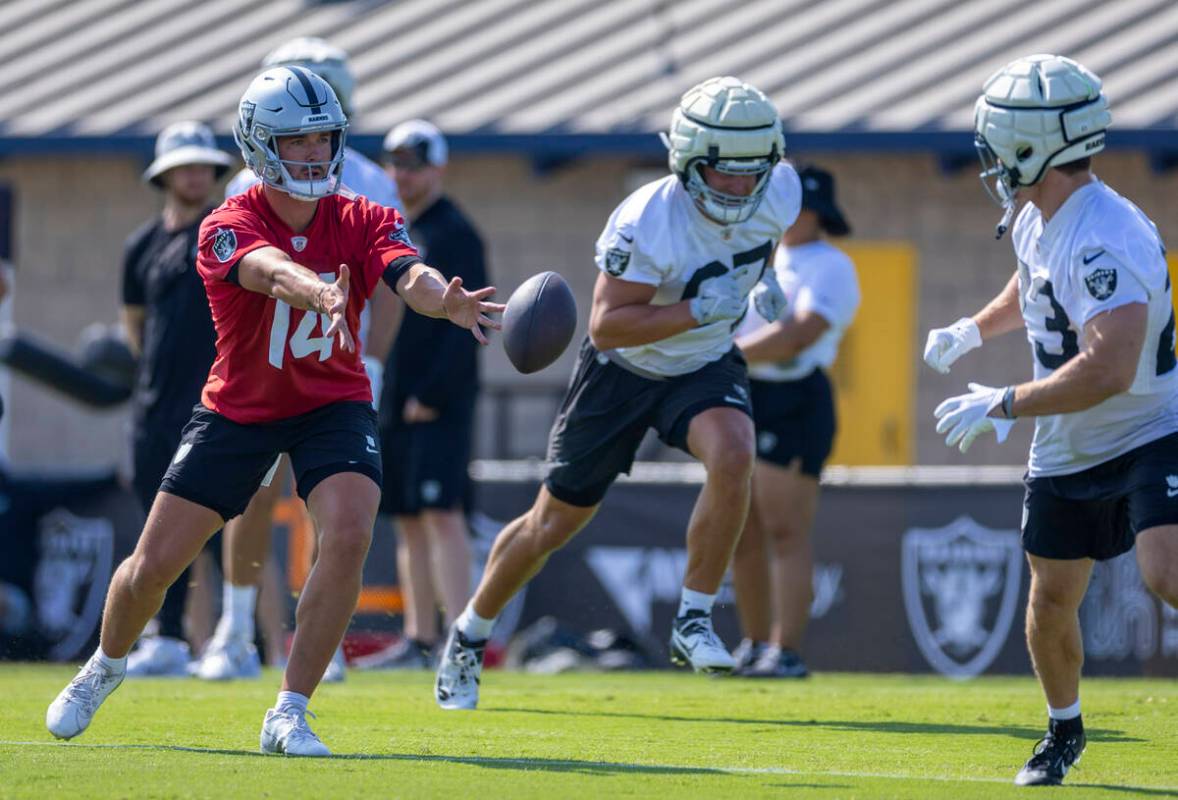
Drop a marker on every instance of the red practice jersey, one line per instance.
(273, 361)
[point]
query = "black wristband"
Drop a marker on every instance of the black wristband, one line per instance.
(1008, 403)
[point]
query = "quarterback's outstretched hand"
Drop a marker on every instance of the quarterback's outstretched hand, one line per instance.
(966, 416)
(333, 301)
(768, 298)
(946, 345)
(719, 298)
(469, 309)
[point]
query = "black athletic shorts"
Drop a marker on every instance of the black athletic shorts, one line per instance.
(795, 420)
(220, 463)
(1098, 513)
(426, 464)
(608, 409)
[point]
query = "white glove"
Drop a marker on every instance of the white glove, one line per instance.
(768, 298)
(966, 416)
(375, 370)
(946, 345)
(719, 298)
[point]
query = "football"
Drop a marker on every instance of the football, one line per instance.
(539, 322)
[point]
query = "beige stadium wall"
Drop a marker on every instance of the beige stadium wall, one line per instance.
(73, 214)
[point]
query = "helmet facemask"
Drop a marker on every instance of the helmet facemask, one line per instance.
(279, 172)
(999, 181)
(719, 206)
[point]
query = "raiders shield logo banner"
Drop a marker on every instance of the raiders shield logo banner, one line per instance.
(1101, 282)
(224, 244)
(77, 557)
(961, 585)
(616, 261)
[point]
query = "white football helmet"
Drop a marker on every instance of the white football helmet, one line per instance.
(1035, 113)
(326, 60)
(285, 101)
(733, 128)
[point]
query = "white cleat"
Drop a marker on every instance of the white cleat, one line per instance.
(337, 669)
(229, 658)
(694, 643)
(71, 712)
(159, 657)
(285, 731)
(459, 673)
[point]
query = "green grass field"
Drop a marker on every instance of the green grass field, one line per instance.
(588, 735)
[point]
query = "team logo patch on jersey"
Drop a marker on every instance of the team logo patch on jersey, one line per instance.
(401, 235)
(224, 244)
(1101, 282)
(616, 261)
(299, 243)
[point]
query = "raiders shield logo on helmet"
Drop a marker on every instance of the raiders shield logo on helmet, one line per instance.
(961, 585)
(1101, 282)
(224, 244)
(616, 261)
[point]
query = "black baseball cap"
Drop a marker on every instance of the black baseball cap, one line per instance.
(818, 196)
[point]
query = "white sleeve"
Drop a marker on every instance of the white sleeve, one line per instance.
(240, 182)
(832, 293)
(622, 253)
(785, 195)
(1100, 281)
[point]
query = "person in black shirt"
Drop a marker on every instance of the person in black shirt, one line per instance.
(168, 325)
(427, 407)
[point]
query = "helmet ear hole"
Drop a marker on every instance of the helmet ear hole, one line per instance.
(1024, 152)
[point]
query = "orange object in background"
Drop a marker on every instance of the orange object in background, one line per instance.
(291, 514)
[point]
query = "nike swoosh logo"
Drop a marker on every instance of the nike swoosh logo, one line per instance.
(630, 239)
(1093, 257)
(739, 401)
(1172, 493)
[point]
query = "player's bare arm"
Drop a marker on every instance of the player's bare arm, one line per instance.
(428, 292)
(270, 271)
(133, 318)
(1002, 314)
(622, 315)
(784, 339)
(1105, 367)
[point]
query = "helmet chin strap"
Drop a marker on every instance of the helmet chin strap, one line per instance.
(1004, 224)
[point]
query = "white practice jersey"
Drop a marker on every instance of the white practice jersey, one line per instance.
(819, 278)
(657, 236)
(1098, 252)
(360, 174)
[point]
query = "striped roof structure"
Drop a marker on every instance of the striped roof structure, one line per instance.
(509, 74)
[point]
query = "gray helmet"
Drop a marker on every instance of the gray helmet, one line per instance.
(286, 101)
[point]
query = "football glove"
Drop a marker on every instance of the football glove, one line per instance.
(719, 299)
(946, 345)
(966, 416)
(768, 298)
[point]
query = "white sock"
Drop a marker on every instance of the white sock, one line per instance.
(113, 664)
(472, 626)
(692, 600)
(292, 700)
(1071, 712)
(237, 608)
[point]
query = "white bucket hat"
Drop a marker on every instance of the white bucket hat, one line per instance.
(184, 143)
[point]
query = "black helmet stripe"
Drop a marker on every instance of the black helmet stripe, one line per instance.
(308, 87)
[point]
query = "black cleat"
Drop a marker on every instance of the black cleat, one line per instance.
(1054, 755)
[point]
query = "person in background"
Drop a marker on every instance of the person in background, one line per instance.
(166, 320)
(794, 413)
(231, 652)
(428, 408)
